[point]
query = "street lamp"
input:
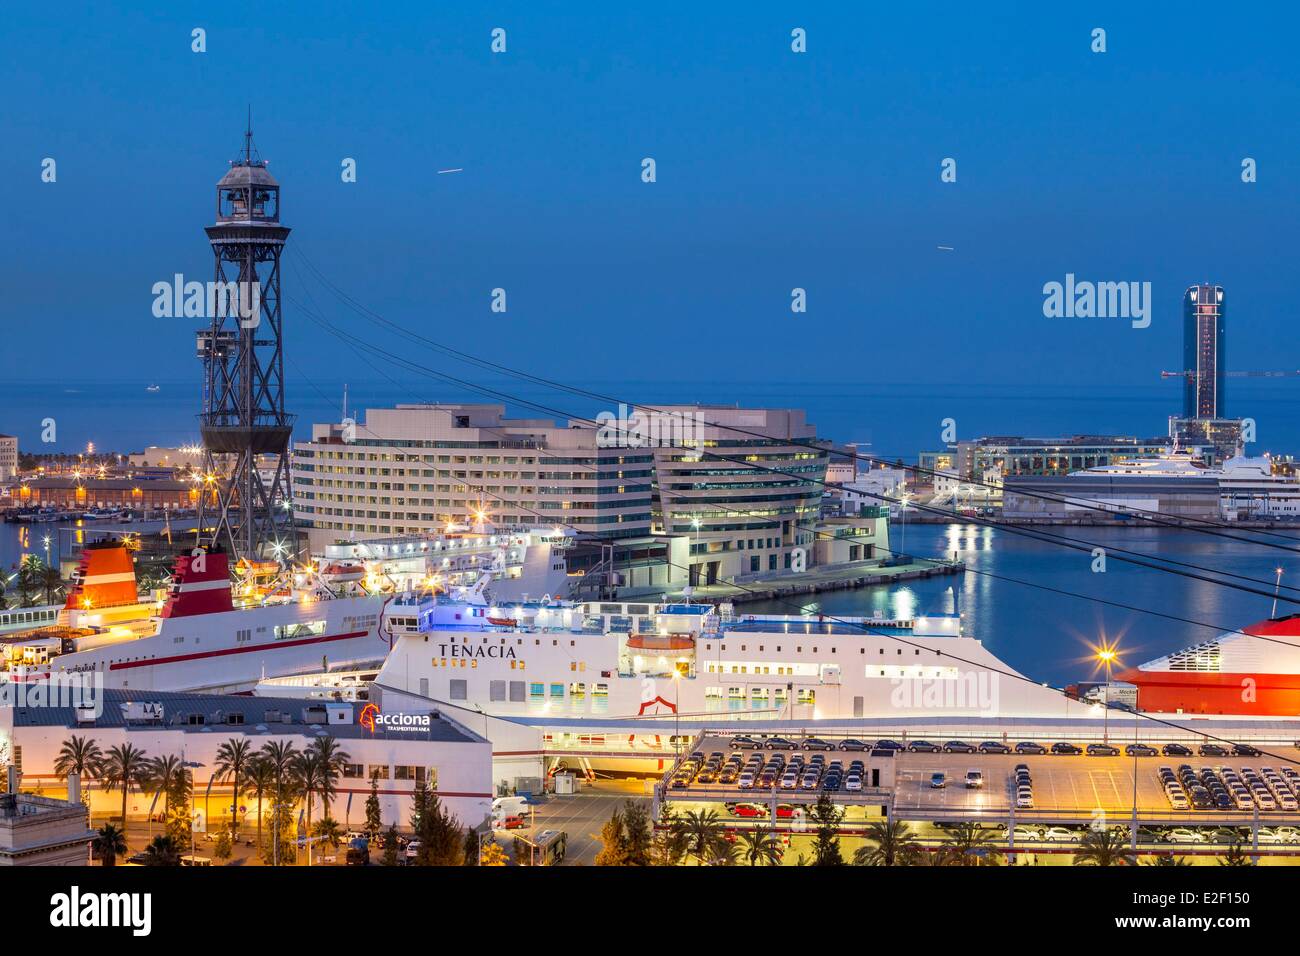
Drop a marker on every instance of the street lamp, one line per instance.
(905, 497)
(1106, 655)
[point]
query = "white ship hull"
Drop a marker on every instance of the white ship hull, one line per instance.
(231, 651)
(751, 669)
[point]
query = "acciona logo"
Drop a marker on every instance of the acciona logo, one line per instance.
(76, 909)
(371, 717)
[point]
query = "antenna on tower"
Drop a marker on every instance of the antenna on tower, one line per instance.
(248, 138)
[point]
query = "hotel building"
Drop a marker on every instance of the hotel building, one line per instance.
(414, 468)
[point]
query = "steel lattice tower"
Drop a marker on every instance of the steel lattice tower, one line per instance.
(243, 364)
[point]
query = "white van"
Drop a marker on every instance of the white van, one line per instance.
(503, 807)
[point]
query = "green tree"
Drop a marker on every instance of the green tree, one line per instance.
(636, 827)
(259, 780)
(308, 778)
(328, 832)
(471, 849)
(671, 841)
(889, 843)
(79, 755)
(1167, 859)
(162, 852)
(51, 581)
(972, 845)
(1236, 855)
(441, 840)
(493, 855)
(280, 756)
(163, 775)
(109, 844)
(233, 758)
(703, 833)
(373, 822)
(223, 848)
(613, 840)
(123, 767)
(724, 854)
(390, 847)
(331, 760)
(1103, 846)
(826, 817)
(760, 847)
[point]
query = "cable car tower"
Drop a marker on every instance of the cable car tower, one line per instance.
(243, 417)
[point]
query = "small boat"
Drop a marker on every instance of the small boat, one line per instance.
(153, 388)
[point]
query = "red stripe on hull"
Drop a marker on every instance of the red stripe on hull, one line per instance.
(1252, 695)
(224, 652)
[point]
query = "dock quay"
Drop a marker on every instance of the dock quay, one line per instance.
(818, 580)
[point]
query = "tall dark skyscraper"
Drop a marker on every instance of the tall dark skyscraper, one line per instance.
(1203, 352)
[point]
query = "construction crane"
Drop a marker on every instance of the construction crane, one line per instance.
(1251, 374)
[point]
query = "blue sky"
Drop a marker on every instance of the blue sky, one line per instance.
(775, 171)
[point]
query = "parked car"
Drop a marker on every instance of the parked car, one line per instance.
(1184, 835)
(1066, 748)
(1140, 750)
(1176, 750)
(1212, 750)
(938, 781)
(958, 747)
(1060, 834)
(816, 743)
(513, 823)
(888, 745)
(974, 779)
(993, 747)
(1029, 747)
(1245, 750)
(780, 743)
(744, 743)
(852, 743)
(923, 747)
(1102, 750)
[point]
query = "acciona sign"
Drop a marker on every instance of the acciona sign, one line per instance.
(372, 718)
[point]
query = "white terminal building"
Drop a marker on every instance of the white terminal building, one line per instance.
(401, 747)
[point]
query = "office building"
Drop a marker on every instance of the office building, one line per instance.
(1203, 352)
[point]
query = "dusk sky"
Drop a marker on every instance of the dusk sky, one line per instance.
(775, 170)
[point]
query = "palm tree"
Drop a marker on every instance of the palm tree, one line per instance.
(109, 844)
(29, 572)
(936, 856)
(972, 845)
(279, 756)
(724, 853)
(124, 766)
(895, 845)
(1168, 859)
(308, 776)
(761, 847)
(327, 830)
(232, 764)
(162, 852)
(1104, 847)
(79, 755)
(259, 779)
(703, 833)
(165, 775)
(332, 761)
(51, 580)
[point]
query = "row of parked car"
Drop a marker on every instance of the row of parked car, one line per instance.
(1223, 788)
(745, 742)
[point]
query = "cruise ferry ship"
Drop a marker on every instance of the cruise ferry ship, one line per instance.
(1248, 486)
(211, 630)
(612, 660)
(1254, 671)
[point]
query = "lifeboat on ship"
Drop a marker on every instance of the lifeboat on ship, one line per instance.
(661, 642)
(336, 572)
